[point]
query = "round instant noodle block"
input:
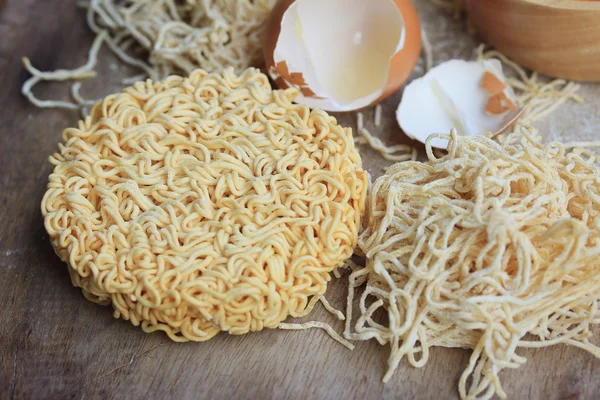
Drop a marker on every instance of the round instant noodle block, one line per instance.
(204, 204)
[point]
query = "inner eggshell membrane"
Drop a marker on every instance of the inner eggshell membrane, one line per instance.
(343, 59)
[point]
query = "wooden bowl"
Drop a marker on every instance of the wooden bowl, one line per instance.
(560, 38)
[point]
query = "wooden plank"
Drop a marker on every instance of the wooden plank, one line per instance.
(55, 344)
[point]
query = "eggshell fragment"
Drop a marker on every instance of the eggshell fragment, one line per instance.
(470, 96)
(491, 83)
(500, 100)
(499, 104)
(342, 55)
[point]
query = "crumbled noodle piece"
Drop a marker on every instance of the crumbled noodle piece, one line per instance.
(359, 125)
(479, 249)
(360, 120)
(377, 117)
(333, 311)
(427, 51)
(215, 201)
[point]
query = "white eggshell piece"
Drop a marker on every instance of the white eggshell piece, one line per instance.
(424, 113)
(292, 49)
(344, 58)
(450, 96)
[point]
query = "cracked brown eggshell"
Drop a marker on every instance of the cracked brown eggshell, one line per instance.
(342, 55)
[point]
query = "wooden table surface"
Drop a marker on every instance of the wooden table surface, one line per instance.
(55, 344)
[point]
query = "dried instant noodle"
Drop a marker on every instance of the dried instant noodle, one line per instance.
(205, 204)
(493, 247)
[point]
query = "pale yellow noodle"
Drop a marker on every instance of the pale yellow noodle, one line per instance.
(477, 249)
(397, 152)
(427, 51)
(333, 311)
(205, 204)
(377, 117)
(178, 37)
(571, 145)
(400, 152)
(319, 325)
(84, 72)
(166, 37)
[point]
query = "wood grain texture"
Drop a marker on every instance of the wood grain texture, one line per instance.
(557, 37)
(56, 345)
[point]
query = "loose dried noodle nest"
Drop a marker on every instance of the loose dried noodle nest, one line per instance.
(202, 204)
(176, 36)
(492, 247)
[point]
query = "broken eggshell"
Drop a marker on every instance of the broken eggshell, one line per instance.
(342, 55)
(470, 96)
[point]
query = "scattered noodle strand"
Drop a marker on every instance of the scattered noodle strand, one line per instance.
(398, 152)
(378, 111)
(84, 72)
(571, 145)
(163, 38)
(427, 51)
(320, 325)
(337, 313)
